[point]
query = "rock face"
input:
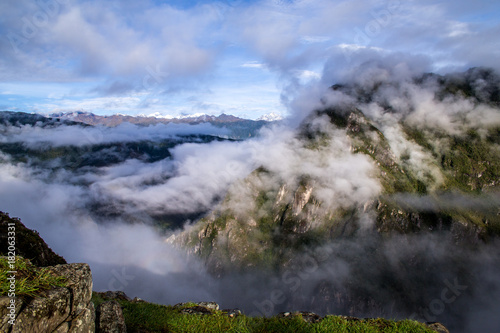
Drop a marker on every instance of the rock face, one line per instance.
(109, 318)
(64, 310)
(4, 313)
(79, 283)
(29, 244)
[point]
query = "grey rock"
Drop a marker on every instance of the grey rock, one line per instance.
(202, 308)
(79, 282)
(207, 305)
(46, 313)
(118, 295)
(438, 327)
(232, 312)
(309, 317)
(4, 312)
(61, 310)
(110, 318)
(85, 322)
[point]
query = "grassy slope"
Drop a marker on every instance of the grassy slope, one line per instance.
(148, 317)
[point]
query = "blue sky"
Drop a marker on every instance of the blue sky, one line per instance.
(246, 58)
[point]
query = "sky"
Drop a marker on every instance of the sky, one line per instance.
(240, 57)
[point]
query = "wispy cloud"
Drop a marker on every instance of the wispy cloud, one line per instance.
(316, 39)
(252, 64)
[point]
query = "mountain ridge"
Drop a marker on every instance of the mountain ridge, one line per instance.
(116, 119)
(370, 177)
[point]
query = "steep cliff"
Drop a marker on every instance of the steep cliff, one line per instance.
(414, 177)
(44, 293)
(28, 243)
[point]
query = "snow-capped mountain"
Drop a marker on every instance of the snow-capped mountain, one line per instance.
(142, 119)
(271, 117)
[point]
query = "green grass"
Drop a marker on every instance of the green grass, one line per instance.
(148, 317)
(30, 279)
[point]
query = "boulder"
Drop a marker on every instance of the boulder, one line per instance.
(232, 312)
(438, 327)
(209, 305)
(85, 322)
(109, 318)
(66, 309)
(79, 283)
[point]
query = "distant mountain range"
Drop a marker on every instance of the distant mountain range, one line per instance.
(238, 128)
(117, 119)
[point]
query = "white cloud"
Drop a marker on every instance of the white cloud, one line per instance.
(316, 39)
(309, 75)
(253, 64)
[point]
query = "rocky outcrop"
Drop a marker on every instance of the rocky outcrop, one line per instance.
(114, 295)
(438, 327)
(308, 317)
(109, 318)
(29, 244)
(46, 313)
(67, 309)
(208, 305)
(64, 309)
(79, 282)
